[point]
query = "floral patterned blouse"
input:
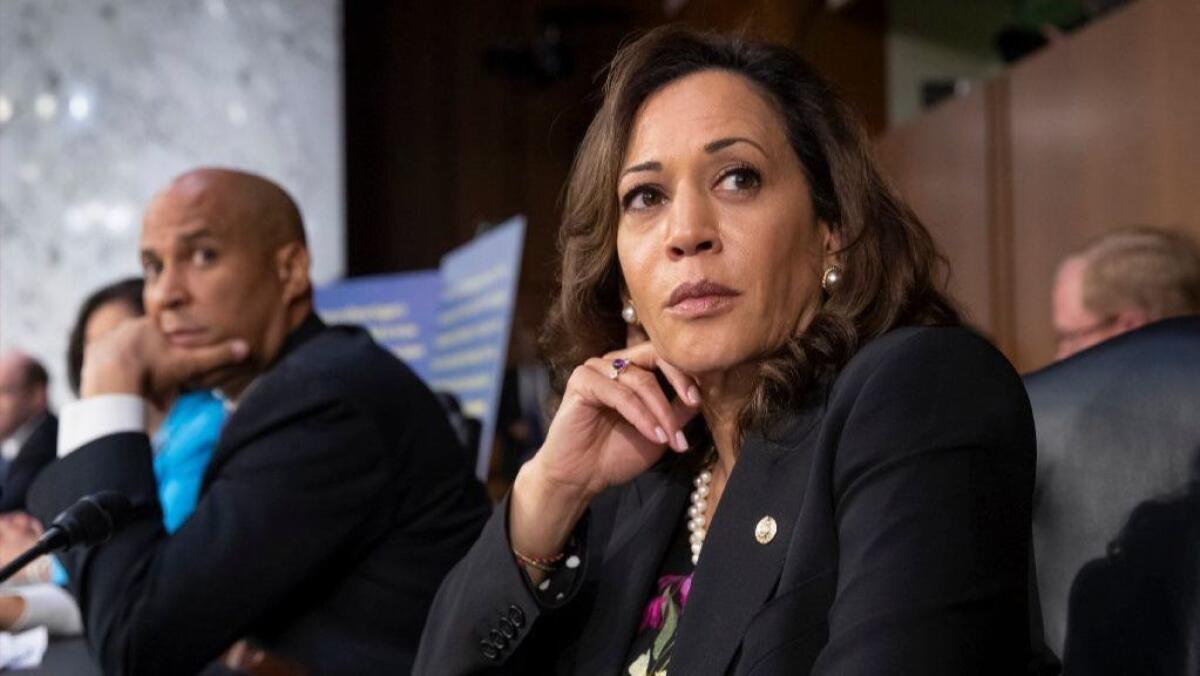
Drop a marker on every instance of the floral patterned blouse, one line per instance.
(654, 644)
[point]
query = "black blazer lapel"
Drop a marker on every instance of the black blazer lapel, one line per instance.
(737, 573)
(236, 427)
(646, 517)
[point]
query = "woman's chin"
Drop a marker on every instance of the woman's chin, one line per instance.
(697, 361)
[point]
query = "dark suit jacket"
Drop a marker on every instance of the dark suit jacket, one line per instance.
(902, 498)
(335, 501)
(38, 451)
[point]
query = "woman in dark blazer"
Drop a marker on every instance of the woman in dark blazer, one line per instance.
(808, 467)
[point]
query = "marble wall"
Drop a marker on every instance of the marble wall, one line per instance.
(103, 101)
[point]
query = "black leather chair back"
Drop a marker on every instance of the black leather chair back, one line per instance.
(1118, 431)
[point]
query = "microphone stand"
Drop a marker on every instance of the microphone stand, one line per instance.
(45, 545)
(90, 521)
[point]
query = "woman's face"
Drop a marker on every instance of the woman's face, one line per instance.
(721, 253)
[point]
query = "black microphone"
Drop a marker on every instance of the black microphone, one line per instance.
(91, 520)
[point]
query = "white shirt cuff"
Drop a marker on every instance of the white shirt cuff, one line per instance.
(89, 419)
(48, 605)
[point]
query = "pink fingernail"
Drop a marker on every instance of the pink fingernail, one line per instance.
(681, 441)
(239, 348)
(694, 394)
(661, 434)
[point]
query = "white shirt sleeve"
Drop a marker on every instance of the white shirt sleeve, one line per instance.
(50, 606)
(89, 419)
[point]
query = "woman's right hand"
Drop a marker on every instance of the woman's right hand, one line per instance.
(607, 431)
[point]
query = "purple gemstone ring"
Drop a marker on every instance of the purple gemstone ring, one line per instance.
(618, 366)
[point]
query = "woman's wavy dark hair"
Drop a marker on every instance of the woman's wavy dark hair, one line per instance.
(127, 291)
(893, 273)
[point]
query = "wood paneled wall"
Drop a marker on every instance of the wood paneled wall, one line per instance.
(937, 162)
(1097, 132)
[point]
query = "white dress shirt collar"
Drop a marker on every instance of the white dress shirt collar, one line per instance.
(12, 445)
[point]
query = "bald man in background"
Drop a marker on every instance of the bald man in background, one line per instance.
(28, 430)
(336, 498)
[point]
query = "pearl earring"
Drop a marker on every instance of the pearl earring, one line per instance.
(831, 279)
(629, 314)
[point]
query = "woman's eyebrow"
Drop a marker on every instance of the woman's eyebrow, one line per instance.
(644, 166)
(720, 144)
(710, 148)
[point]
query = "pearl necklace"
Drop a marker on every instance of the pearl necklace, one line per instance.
(696, 521)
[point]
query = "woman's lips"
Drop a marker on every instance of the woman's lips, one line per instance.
(701, 306)
(701, 298)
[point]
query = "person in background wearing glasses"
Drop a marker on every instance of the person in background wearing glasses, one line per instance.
(1120, 281)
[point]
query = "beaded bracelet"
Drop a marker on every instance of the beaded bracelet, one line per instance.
(546, 565)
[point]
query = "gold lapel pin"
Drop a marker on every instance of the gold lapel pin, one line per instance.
(765, 531)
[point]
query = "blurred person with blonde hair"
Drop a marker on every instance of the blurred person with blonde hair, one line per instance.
(1122, 280)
